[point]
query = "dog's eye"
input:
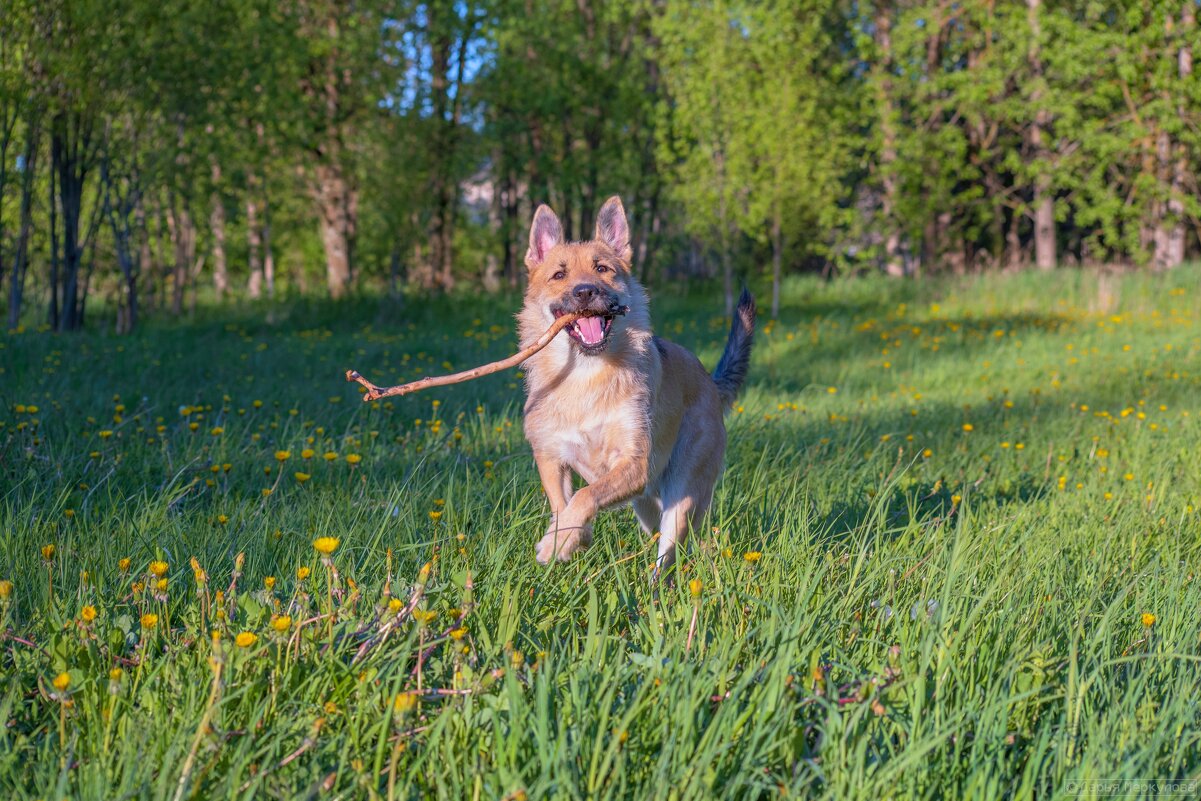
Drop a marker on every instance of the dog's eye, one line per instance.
(559, 275)
(602, 268)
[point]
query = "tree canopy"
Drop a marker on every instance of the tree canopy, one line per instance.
(151, 151)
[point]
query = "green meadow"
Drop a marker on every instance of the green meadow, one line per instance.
(953, 555)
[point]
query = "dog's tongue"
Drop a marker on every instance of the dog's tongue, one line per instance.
(592, 329)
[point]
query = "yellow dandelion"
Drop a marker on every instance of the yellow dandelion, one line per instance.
(307, 453)
(968, 427)
(1148, 619)
(283, 456)
(269, 582)
(353, 459)
(329, 456)
(458, 634)
(435, 515)
(326, 545)
(48, 552)
(395, 605)
(115, 674)
(694, 587)
(302, 573)
(752, 556)
(87, 614)
(149, 620)
(281, 623)
(222, 519)
(246, 639)
(404, 703)
(158, 568)
(62, 681)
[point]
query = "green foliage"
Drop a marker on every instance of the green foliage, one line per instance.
(947, 508)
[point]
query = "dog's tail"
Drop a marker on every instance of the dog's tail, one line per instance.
(731, 370)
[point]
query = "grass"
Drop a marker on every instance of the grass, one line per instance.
(954, 555)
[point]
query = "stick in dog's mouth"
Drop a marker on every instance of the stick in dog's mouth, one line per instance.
(562, 321)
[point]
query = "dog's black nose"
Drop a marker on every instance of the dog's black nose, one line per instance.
(585, 293)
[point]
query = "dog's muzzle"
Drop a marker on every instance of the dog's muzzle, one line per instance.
(600, 306)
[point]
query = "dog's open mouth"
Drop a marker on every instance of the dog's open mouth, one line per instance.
(590, 333)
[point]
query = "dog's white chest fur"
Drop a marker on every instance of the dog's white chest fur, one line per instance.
(593, 432)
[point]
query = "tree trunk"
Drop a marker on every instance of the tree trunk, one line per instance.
(336, 206)
(20, 266)
(1170, 232)
(69, 143)
(52, 185)
(1044, 202)
(268, 251)
(254, 244)
(217, 224)
(893, 263)
(183, 239)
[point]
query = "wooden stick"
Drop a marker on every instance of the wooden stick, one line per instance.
(375, 392)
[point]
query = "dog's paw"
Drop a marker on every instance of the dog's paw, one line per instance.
(562, 541)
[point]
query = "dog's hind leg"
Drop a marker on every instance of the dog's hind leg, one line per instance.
(687, 486)
(649, 512)
(679, 517)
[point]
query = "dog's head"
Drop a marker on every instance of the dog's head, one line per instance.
(590, 277)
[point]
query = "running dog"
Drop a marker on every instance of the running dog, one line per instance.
(635, 416)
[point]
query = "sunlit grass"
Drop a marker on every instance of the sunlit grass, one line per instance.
(953, 555)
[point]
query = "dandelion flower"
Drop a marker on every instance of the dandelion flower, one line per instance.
(353, 459)
(752, 556)
(283, 456)
(123, 565)
(281, 623)
(326, 545)
(404, 703)
(968, 428)
(435, 515)
(246, 639)
(6, 589)
(62, 681)
(307, 453)
(269, 582)
(48, 552)
(329, 456)
(158, 568)
(302, 477)
(87, 614)
(302, 573)
(395, 605)
(149, 620)
(694, 587)
(1148, 619)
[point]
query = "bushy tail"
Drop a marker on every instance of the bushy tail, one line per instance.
(731, 370)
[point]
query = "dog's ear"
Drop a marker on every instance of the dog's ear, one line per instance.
(545, 233)
(613, 229)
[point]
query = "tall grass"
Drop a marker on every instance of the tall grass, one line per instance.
(953, 555)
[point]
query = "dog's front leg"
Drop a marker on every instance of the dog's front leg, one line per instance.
(556, 482)
(571, 529)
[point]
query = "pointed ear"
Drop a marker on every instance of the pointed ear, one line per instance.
(545, 233)
(613, 229)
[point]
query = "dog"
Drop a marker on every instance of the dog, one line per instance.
(638, 418)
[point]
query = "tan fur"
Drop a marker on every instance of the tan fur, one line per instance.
(641, 422)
